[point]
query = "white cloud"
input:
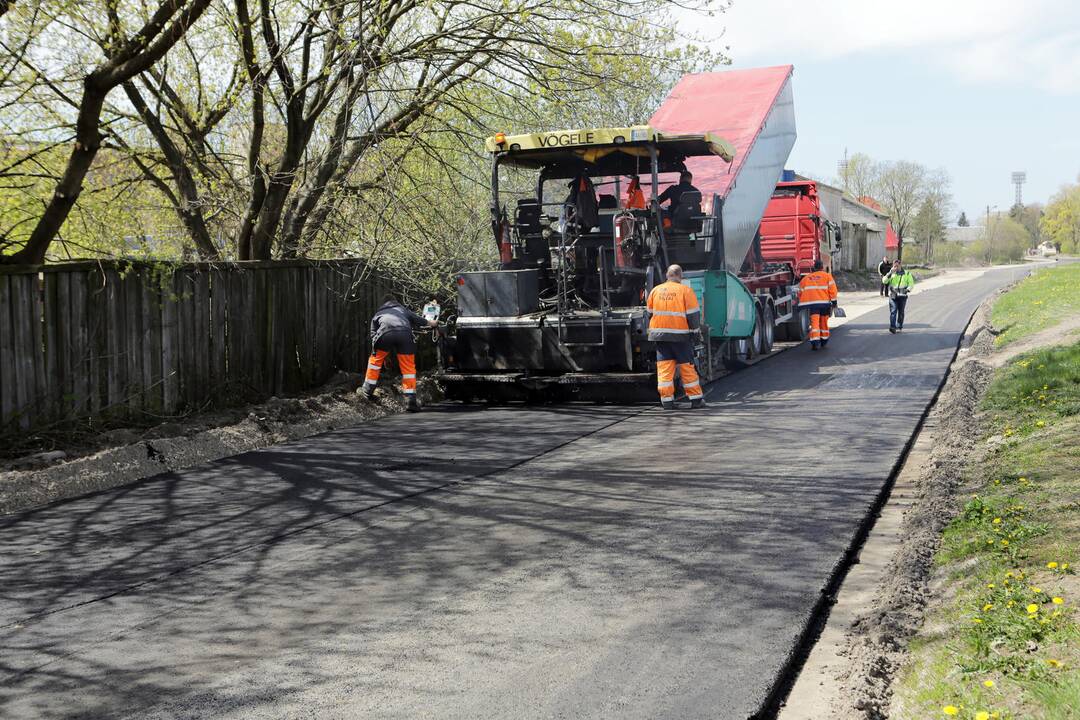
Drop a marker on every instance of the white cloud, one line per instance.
(1033, 42)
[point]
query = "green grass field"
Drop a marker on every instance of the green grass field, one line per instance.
(1005, 642)
(1045, 298)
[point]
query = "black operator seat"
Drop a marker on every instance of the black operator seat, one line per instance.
(527, 216)
(527, 224)
(687, 216)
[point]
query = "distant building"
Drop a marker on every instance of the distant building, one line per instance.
(964, 235)
(866, 235)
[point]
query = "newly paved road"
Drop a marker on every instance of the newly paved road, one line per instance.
(490, 563)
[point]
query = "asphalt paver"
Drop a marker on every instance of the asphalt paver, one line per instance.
(539, 562)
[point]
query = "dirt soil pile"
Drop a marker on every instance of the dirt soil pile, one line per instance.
(126, 455)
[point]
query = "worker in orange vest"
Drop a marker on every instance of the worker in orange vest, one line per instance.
(635, 198)
(674, 316)
(392, 332)
(817, 294)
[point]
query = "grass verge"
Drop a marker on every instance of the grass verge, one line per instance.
(1004, 639)
(1041, 300)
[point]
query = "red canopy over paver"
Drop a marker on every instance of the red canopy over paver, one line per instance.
(733, 104)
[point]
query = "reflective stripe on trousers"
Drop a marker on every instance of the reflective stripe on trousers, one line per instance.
(406, 363)
(665, 380)
(819, 327)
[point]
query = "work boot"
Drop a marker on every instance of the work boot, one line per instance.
(412, 405)
(697, 403)
(892, 330)
(813, 346)
(824, 343)
(368, 391)
(667, 404)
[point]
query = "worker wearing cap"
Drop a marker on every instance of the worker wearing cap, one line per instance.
(817, 295)
(392, 332)
(674, 316)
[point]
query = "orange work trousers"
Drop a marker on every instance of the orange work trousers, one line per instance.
(672, 356)
(819, 328)
(407, 364)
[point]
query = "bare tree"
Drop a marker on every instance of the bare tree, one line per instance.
(901, 187)
(859, 175)
(128, 54)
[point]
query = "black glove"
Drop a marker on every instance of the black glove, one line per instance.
(834, 303)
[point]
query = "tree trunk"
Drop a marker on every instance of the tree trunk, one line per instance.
(87, 143)
(188, 206)
(134, 56)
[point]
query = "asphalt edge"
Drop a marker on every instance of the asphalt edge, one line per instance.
(819, 613)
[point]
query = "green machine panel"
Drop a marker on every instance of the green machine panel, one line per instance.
(729, 308)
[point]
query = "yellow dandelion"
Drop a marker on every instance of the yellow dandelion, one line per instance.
(997, 521)
(1052, 565)
(988, 606)
(1039, 423)
(950, 710)
(991, 586)
(1023, 479)
(1053, 663)
(977, 621)
(1033, 608)
(988, 683)
(1004, 543)
(1036, 590)
(1064, 566)
(982, 715)
(1009, 574)
(1059, 601)
(990, 541)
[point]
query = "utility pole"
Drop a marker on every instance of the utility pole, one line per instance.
(842, 168)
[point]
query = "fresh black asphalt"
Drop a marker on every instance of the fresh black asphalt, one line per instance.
(557, 562)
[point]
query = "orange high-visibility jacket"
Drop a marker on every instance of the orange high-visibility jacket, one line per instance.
(674, 312)
(818, 288)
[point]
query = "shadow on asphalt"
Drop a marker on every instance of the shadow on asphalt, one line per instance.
(335, 566)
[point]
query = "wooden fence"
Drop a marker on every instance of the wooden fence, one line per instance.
(106, 339)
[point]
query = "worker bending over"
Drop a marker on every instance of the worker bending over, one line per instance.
(817, 294)
(391, 332)
(673, 316)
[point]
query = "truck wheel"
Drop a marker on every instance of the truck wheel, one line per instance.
(736, 353)
(798, 328)
(768, 328)
(757, 340)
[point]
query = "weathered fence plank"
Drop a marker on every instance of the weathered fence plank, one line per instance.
(8, 399)
(170, 344)
(109, 339)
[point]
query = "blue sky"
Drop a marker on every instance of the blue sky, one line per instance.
(978, 87)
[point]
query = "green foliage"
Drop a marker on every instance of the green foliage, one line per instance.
(1006, 641)
(1042, 299)
(1004, 241)
(1061, 221)
(116, 215)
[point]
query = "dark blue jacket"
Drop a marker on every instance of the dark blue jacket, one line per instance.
(394, 317)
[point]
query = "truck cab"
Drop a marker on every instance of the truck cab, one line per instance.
(796, 231)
